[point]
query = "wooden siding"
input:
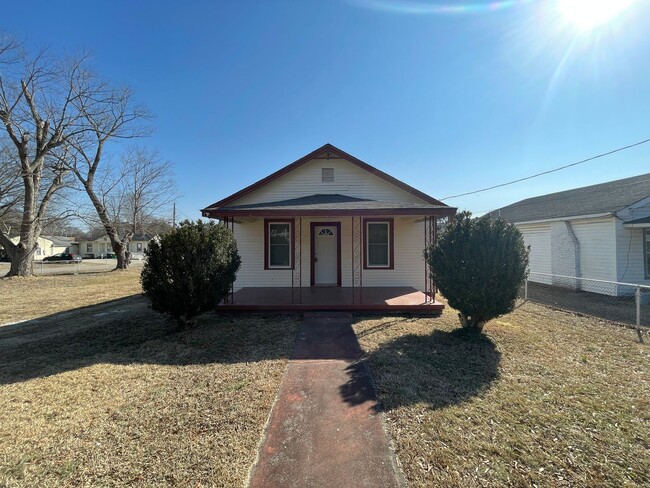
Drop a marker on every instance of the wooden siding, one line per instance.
(349, 180)
(408, 256)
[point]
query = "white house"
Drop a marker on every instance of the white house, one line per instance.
(329, 230)
(48, 246)
(599, 231)
(98, 248)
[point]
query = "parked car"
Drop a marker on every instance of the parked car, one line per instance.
(63, 256)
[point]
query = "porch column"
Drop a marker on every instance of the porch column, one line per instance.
(357, 258)
(430, 224)
(296, 269)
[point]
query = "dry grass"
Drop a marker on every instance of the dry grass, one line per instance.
(115, 395)
(27, 298)
(544, 398)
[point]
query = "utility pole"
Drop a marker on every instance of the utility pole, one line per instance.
(174, 216)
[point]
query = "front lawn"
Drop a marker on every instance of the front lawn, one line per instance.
(113, 394)
(544, 398)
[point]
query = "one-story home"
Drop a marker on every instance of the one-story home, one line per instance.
(331, 231)
(600, 232)
(101, 246)
(49, 245)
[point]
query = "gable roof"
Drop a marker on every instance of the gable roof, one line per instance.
(604, 198)
(327, 148)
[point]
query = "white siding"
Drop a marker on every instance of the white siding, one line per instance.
(349, 180)
(408, 255)
(596, 238)
(538, 237)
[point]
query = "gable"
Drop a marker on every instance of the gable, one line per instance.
(348, 180)
(343, 174)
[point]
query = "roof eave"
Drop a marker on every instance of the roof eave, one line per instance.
(438, 212)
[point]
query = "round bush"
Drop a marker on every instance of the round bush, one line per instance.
(190, 269)
(479, 265)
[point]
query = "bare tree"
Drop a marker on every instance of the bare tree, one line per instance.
(135, 194)
(111, 114)
(39, 115)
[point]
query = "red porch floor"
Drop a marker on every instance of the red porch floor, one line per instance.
(394, 299)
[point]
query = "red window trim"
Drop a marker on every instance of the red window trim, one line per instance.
(267, 247)
(391, 243)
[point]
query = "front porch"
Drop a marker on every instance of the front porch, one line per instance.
(374, 298)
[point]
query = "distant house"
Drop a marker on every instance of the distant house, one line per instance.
(330, 231)
(98, 248)
(49, 245)
(599, 231)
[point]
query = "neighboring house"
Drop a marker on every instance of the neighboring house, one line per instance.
(326, 225)
(48, 246)
(600, 232)
(98, 248)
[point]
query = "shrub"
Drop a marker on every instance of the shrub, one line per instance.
(190, 269)
(479, 265)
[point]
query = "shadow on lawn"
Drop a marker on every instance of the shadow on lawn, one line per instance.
(441, 369)
(126, 331)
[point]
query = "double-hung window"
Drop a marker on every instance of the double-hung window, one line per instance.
(278, 239)
(378, 243)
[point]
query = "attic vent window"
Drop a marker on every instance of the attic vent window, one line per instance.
(328, 175)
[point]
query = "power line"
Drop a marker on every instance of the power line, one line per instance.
(550, 170)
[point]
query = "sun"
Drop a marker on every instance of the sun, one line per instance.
(589, 14)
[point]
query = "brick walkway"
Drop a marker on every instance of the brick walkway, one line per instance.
(324, 430)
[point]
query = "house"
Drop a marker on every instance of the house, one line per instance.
(99, 247)
(331, 231)
(48, 246)
(599, 232)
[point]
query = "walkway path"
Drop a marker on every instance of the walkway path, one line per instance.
(324, 430)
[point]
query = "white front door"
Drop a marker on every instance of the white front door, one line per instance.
(325, 255)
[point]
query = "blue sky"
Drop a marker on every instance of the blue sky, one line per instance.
(447, 102)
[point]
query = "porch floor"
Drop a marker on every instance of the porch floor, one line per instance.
(394, 299)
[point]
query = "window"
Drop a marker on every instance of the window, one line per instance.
(646, 252)
(327, 175)
(326, 232)
(138, 247)
(278, 239)
(89, 247)
(38, 251)
(378, 239)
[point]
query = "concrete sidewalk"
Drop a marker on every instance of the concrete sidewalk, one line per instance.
(324, 430)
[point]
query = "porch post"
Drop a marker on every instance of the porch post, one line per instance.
(357, 258)
(296, 269)
(429, 240)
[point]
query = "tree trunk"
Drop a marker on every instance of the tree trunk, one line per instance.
(123, 257)
(21, 256)
(470, 322)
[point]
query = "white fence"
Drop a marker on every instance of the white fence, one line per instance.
(627, 303)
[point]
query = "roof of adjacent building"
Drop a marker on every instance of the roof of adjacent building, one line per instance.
(603, 198)
(216, 209)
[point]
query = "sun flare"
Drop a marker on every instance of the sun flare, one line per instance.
(588, 14)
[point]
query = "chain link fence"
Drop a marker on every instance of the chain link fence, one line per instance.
(50, 268)
(625, 303)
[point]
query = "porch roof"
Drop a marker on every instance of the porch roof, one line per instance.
(329, 205)
(642, 222)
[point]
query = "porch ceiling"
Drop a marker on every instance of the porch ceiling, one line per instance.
(334, 205)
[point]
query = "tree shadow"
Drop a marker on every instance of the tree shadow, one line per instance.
(127, 331)
(440, 369)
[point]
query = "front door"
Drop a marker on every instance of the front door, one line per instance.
(325, 254)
